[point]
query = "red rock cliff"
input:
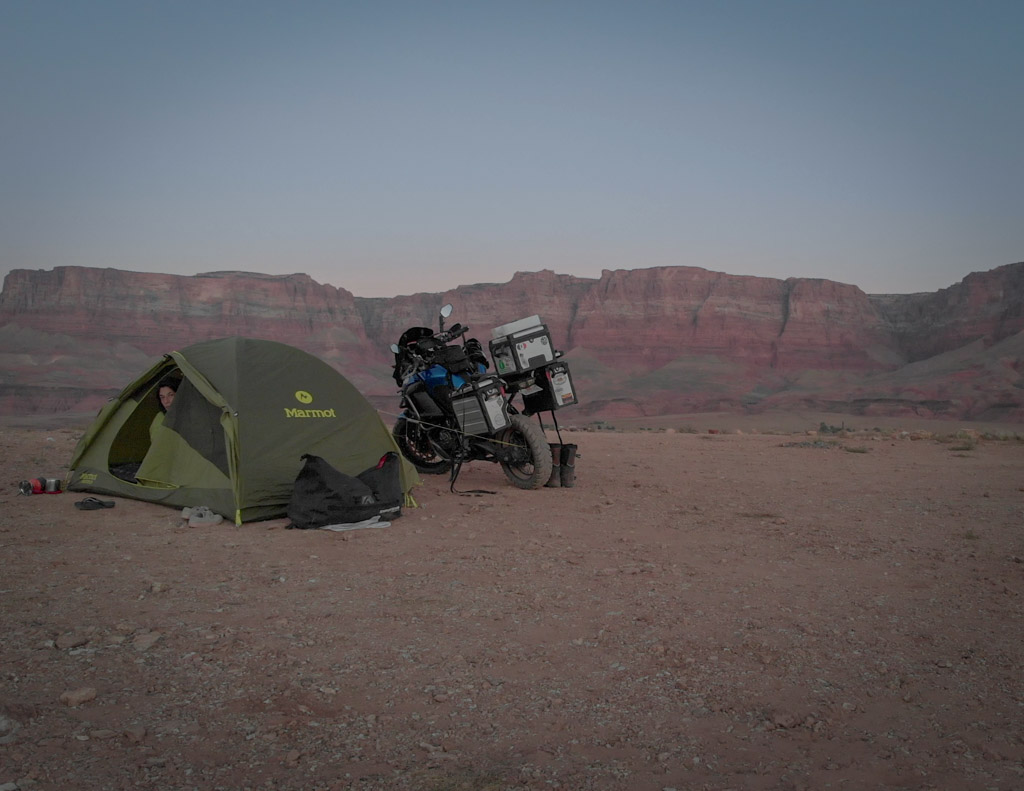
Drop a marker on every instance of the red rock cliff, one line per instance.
(150, 310)
(666, 339)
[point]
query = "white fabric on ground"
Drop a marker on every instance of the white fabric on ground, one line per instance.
(373, 521)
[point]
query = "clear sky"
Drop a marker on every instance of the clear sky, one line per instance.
(395, 147)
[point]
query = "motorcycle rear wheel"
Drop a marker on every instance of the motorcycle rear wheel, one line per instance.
(414, 443)
(530, 463)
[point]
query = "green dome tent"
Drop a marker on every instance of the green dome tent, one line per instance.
(245, 412)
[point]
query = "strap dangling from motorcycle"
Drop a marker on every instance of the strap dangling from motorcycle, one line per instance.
(557, 432)
(456, 468)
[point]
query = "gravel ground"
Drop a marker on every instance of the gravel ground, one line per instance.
(702, 611)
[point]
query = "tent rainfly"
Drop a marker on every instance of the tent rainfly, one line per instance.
(245, 412)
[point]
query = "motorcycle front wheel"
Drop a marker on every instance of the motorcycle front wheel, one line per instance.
(414, 442)
(528, 455)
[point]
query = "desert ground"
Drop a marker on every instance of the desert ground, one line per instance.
(713, 606)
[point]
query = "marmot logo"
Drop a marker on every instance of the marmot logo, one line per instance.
(303, 397)
(309, 412)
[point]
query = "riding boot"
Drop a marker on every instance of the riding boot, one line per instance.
(568, 471)
(556, 465)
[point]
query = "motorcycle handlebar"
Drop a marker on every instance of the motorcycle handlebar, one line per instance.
(455, 331)
(424, 348)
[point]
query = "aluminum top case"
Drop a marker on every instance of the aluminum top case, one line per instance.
(520, 347)
(516, 326)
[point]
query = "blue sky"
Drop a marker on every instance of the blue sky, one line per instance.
(396, 147)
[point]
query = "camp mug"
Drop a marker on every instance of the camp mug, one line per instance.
(52, 485)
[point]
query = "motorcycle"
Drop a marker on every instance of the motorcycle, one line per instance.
(454, 412)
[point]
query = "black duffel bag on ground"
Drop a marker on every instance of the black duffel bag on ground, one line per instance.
(324, 496)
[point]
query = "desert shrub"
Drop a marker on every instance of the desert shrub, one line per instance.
(856, 449)
(999, 437)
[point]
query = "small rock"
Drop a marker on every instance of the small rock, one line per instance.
(144, 642)
(786, 721)
(76, 697)
(102, 733)
(72, 640)
(8, 729)
(9, 787)
(136, 734)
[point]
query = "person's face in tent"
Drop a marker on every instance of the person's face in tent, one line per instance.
(166, 395)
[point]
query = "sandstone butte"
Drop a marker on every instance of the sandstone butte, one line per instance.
(668, 340)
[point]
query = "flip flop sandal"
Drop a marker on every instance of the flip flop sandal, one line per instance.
(93, 504)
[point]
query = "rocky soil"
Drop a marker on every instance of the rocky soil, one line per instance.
(702, 611)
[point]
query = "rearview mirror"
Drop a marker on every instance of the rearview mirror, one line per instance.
(446, 311)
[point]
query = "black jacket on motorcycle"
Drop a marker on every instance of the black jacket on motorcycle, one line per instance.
(403, 358)
(465, 359)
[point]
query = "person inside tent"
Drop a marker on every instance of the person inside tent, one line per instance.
(164, 396)
(165, 393)
(186, 439)
(166, 390)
